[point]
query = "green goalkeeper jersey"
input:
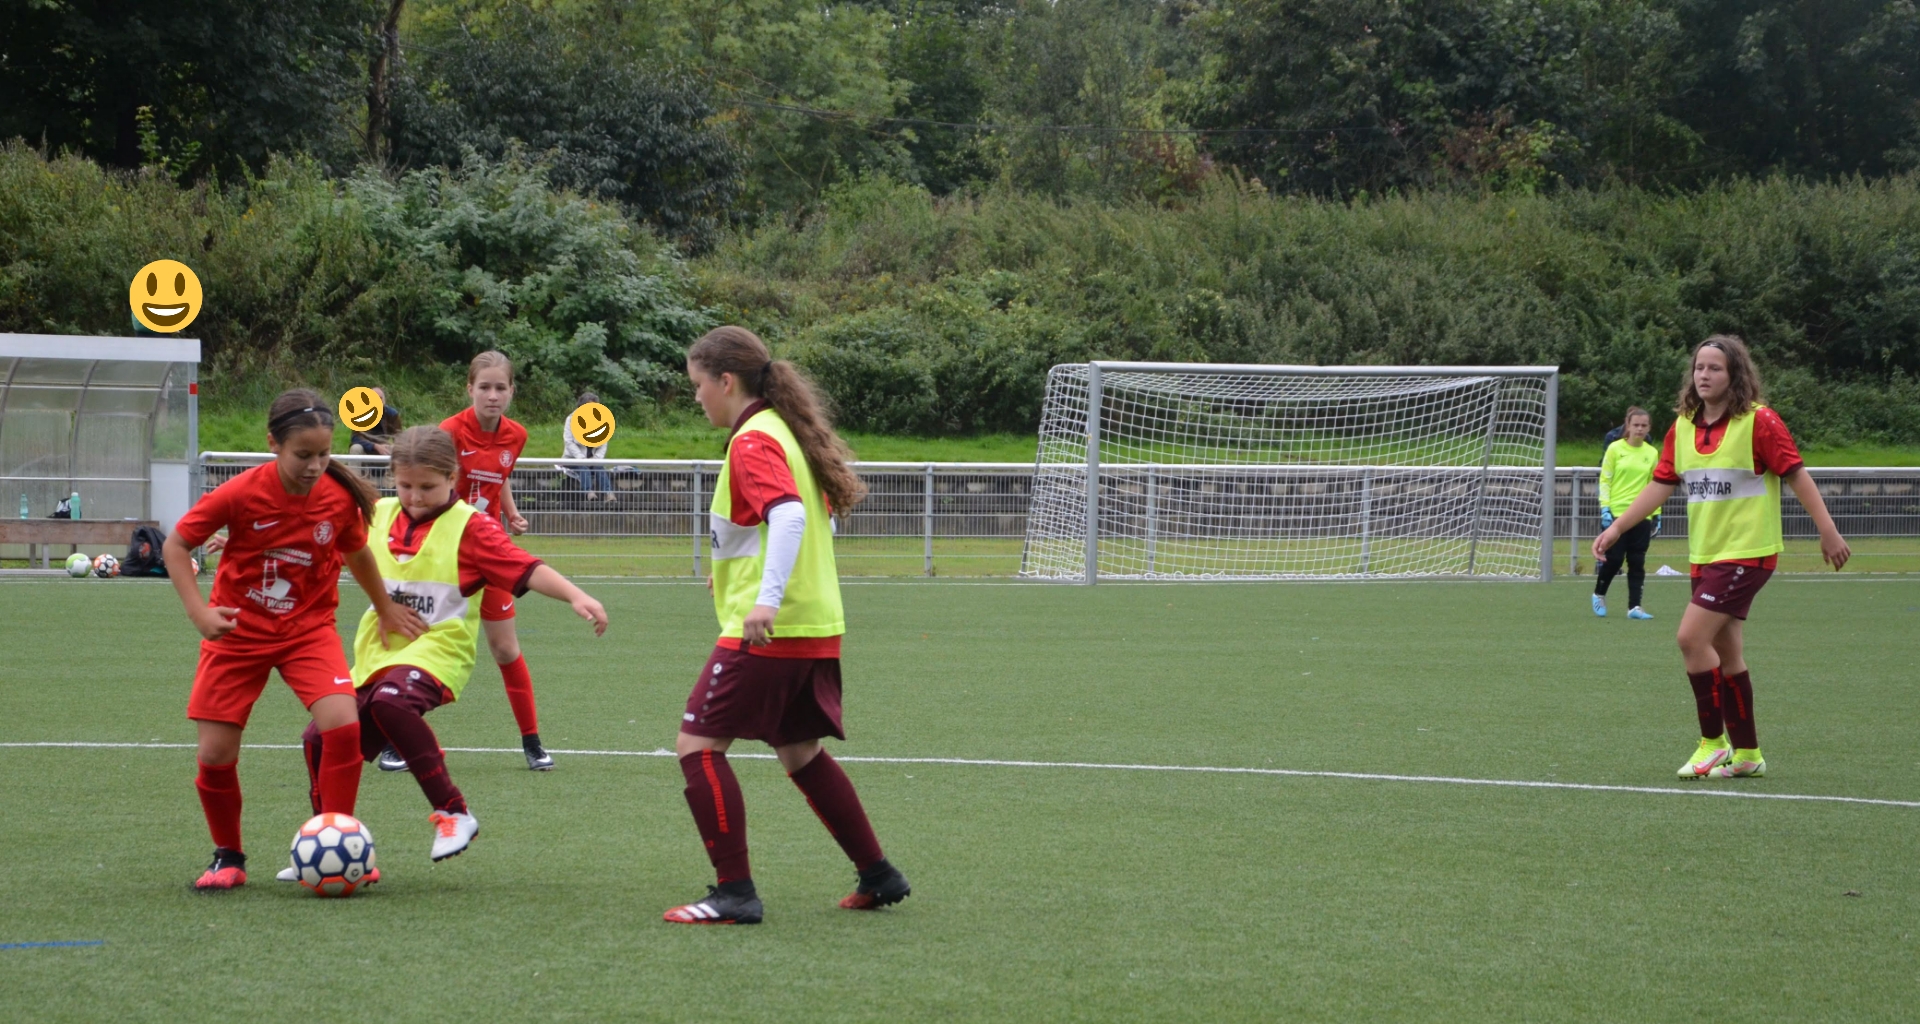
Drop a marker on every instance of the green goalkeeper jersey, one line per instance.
(1625, 472)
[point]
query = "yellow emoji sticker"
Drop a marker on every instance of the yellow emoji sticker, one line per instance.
(361, 409)
(165, 296)
(592, 424)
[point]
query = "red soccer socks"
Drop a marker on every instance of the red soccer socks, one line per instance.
(830, 793)
(413, 739)
(519, 684)
(1706, 702)
(713, 795)
(336, 781)
(1736, 704)
(219, 787)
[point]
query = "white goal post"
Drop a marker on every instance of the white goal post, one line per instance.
(1217, 471)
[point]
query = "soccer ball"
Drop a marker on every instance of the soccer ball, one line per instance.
(106, 567)
(333, 854)
(79, 566)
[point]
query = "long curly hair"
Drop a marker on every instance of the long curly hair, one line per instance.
(795, 397)
(1743, 378)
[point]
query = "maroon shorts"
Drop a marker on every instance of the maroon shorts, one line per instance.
(414, 689)
(1729, 587)
(779, 701)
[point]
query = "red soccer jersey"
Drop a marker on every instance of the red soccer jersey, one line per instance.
(759, 478)
(486, 458)
(281, 565)
(487, 557)
(1773, 450)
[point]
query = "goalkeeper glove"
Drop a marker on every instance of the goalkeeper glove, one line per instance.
(1606, 518)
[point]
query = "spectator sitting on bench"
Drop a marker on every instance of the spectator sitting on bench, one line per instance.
(379, 440)
(596, 481)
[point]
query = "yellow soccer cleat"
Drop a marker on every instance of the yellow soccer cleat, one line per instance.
(1746, 764)
(1712, 754)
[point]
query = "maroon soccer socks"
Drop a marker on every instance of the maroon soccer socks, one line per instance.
(713, 794)
(830, 793)
(1725, 705)
(1706, 702)
(413, 739)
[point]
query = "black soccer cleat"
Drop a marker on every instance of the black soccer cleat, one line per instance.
(537, 757)
(391, 761)
(881, 885)
(727, 903)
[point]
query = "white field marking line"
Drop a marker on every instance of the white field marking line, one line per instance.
(1705, 789)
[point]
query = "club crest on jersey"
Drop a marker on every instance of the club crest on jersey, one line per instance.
(506, 459)
(323, 533)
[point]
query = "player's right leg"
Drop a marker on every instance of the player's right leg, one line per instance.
(226, 684)
(1698, 629)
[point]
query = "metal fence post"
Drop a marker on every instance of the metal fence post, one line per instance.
(1366, 522)
(1153, 514)
(1093, 474)
(927, 522)
(698, 525)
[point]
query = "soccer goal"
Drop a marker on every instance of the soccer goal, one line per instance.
(1212, 471)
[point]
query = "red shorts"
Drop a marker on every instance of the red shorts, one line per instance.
(779, 701)
(1728, 587)
(231, 676)
(496, 605)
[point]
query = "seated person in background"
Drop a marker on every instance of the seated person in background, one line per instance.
(379, 440)
(596, 481)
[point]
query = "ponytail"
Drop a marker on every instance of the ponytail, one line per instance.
(795, 397)
(302, 408)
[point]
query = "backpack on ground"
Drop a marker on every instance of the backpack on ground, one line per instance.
(143, 554)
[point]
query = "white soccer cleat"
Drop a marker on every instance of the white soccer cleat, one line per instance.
(452, 833)
(288, 874)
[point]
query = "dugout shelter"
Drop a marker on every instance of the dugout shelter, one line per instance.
(115, 420)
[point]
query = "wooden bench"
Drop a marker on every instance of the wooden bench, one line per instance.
(50, 533)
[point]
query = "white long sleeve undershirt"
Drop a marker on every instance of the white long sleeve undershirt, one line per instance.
(786, 522)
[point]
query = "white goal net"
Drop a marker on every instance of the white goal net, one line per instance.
(1207, 471)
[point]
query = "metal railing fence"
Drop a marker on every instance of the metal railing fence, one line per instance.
(970, 519)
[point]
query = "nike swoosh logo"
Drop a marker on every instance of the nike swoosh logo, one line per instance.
(342, 682)
(476, 451)
(507, 607)
(258, 525)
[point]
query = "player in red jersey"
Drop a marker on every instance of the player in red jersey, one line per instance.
(489, 444)
(291, 523)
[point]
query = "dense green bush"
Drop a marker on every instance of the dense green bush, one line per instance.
(312, 277)
(925, 314)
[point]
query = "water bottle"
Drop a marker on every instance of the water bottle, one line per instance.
(23, 504)
(75, 504)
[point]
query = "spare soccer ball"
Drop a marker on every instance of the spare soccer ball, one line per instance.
(333, 854)
(106, 567)
(79, 566)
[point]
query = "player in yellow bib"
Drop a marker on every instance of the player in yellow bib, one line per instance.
(1732, 454)
(436, 555)
(774, 675)
(1624, 473)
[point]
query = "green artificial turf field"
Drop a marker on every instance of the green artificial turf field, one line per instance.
(1040, 892)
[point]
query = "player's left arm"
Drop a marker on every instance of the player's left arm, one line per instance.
(1833, 547)
(394, 618)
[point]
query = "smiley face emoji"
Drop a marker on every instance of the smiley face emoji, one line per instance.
(591, 424)
(165, 296)
(361, 409)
